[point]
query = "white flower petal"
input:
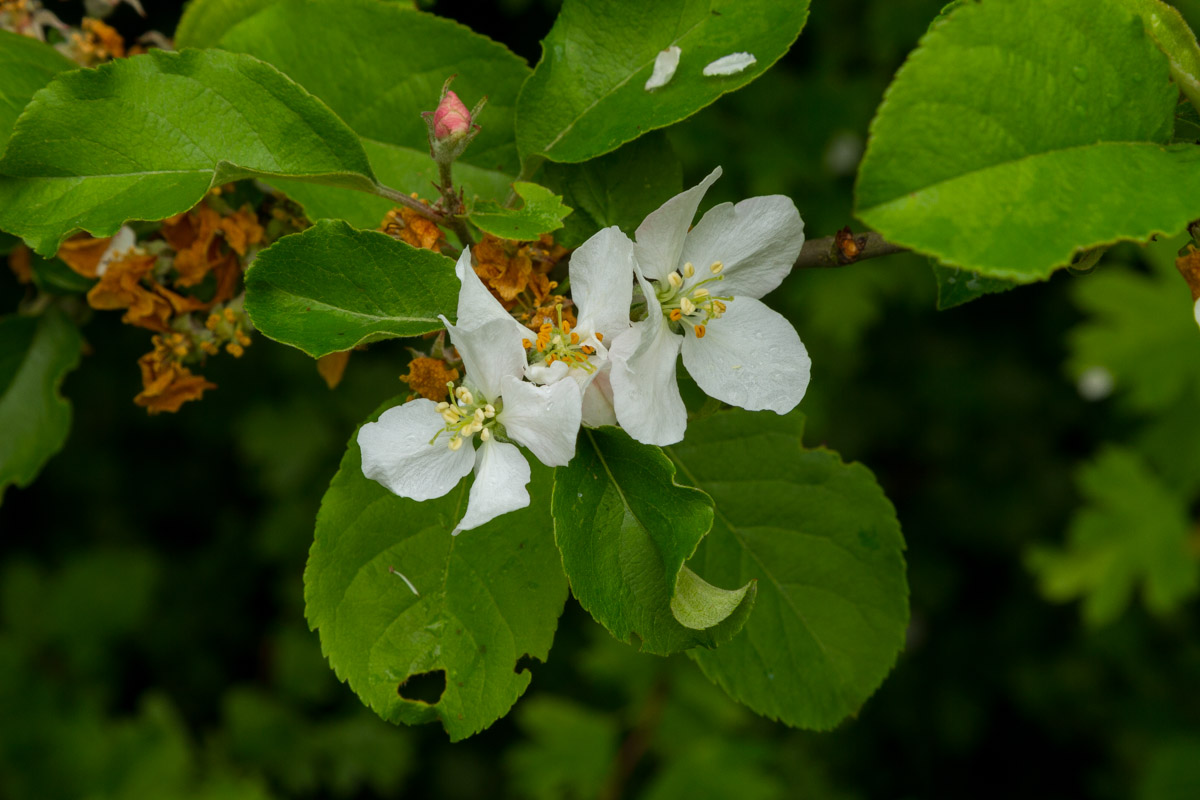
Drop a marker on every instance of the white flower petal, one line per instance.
(602, 282)
(121, 243)
(598, 401)
(730, 64)
(476, 305)
(397, 453)
(545, 374)
(501, 475)
(489, 353)
(751, 357)
(543, 418)
(645, 394)
(757, 240)
(1198, 312)
(660, 236)
(665, 64)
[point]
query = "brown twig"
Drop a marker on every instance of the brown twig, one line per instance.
(843, 249)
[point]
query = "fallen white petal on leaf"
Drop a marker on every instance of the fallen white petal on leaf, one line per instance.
(730, 64)
(665, 64)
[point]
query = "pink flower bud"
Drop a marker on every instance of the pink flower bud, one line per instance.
(451, 118)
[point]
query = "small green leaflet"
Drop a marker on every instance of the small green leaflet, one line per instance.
(586, 96)
(332, 287)
(36, 353)
(26, 65)
(625, 529)
(967, 165)
(487, 597)
(620, 188)
(542, 212)
(824, 545)
(1133, 531)
(958, 286)
(400, 59)
(146, 137)
(1171, 33)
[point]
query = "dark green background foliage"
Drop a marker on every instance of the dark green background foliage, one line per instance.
(152, 635)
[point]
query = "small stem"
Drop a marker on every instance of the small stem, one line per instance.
(826, 252)
(428, 212)
(452, 204)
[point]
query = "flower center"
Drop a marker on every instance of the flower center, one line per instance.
(466, 415)
(560, 343)
(691, 304)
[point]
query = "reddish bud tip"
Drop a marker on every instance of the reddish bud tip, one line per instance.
(451, 118)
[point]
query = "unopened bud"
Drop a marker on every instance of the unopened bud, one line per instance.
(451, 117)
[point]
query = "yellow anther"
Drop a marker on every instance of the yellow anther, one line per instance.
(234, 349)
(689, 269)
(716, 267)
(599, 336)
(719, 307)
(485, 434)
(181, 350)
(701, 292)
(574, 338)
(566, 326)
(451, 416)
(212, 322)
(526, 344)
(456, 443)
(479, 415)
(675, 280)
(242, 338)
(675, 314)
(489, 411)
(459, 392)
(442, 406)
(230, 316)
(587, 350)
(686, 306)
(700, 331)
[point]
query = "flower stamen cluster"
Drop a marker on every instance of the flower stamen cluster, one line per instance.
(560, 343)
(465, 416)
(691, 304)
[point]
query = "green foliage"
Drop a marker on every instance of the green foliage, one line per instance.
(1167, 27)
(586, 96)
(332, 287)
(1141, 330)
(26, 65)
(967, 164)
(204, 22)
(620, 188)
(1174, 772)
(825, 547)
(36, 353)
(1134, 531)
(625, 529)
(400, 60)
(488, 598)
(569, 752)
(714, 771)
(541, 211)
(149, 135)
(957, 286)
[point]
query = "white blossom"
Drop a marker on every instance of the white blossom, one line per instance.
(422, 449)
(700, 289)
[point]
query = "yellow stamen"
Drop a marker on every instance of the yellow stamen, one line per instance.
(700, 331)
(456, 443)
(686, 306)
(574, 338)
(716, 267)
(230, 316)
(485, 434)
(701, 292)
(599, 336)
(675, 314)
(234, 349)
(675, 280)
(689, 269)
(526, 344)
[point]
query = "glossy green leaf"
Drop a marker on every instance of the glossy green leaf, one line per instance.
(146, 137)
(36, 353)
(587, 95)
(204, 22)
(401, 58)
(823, 543)
(541, 211)
(332, 287)
(1169, 30)
(958, 286)
(569, 750)
(625, 529)
(966, 163)
(1132, 532)
(26, 65)
(620, 188)
(1141, 330)
(488, 597)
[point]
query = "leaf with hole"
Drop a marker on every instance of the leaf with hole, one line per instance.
(488, 599)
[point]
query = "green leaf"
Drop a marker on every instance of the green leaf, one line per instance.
(620, 188)
(543, 211)
(332, 287)
(823, 543)
(26, 65)
(53, 276)
(36, 353)
(401, 58)
(569, 752)
(1168, 29)
(488, 597)
(1133, 531)
(625, 529)
(204, 22)
(587, 97)
(1141, 330)
(146, 137)
(394, 166)
(969, 165)
(957, 286)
